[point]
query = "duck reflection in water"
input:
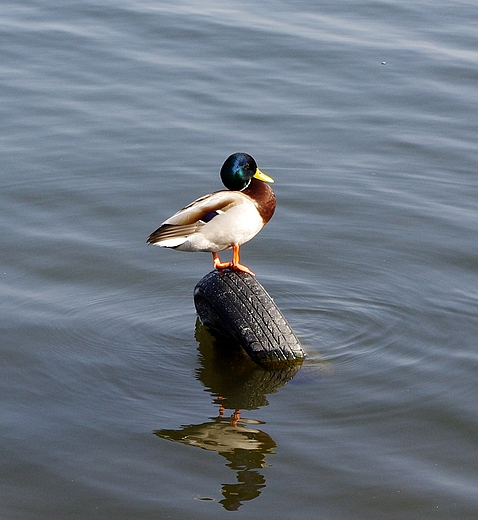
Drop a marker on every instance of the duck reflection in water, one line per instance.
(237, 384)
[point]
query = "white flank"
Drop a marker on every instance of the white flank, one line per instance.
(171, 242)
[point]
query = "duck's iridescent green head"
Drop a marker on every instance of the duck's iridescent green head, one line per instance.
(238, 170)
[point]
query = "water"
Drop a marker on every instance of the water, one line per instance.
(116, 114)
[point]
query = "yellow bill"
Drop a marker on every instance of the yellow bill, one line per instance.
(262, 176)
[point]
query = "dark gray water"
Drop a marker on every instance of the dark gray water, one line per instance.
(116, 114)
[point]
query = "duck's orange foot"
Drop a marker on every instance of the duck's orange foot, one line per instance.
(218, 264)
(235, 264)
(243, 268)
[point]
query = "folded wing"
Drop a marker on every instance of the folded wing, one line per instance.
(175, 230)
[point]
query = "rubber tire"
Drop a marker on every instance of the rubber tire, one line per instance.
(234, 304)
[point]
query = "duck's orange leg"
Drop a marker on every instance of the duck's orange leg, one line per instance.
(235, 264)
(217, 262)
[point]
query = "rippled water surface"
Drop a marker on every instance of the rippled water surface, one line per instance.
(114, 401)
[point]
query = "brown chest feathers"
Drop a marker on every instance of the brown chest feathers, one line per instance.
(263, 196)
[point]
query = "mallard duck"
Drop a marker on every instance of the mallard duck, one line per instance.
(224, 219)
